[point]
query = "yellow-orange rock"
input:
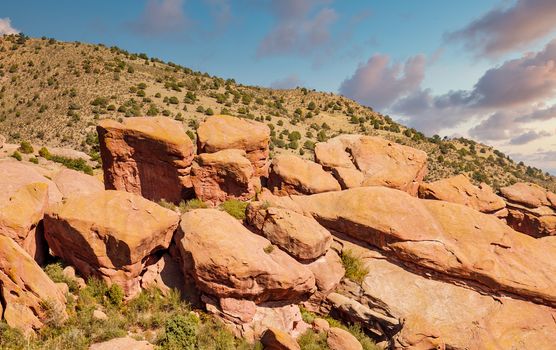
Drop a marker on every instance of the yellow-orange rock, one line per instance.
(24, 289)
(223, 175)
(276, 339)
(148, 156)
(228, 261)
(221, 132)
(71, 183)
(459, 189)
(294, 175)
(382, 162)
(446, 238)
(14, 175)
(339, 339)
(110, 234)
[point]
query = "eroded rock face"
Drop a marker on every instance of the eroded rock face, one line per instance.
(459, 189)
(109, 234)
(382, 162)
(228, 261)
(531, 209)
(452, 240)
(71, 183)
(441, 315)
(300, 236)
(23, 288)
(294, 175)
(148, 156)
(222, 132)
(223, 175)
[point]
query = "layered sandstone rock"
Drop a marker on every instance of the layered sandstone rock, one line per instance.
(441, 315)
(459, 189)
(14, 175)
(452, 240)
(531, 209)
(147, 156)
(222, 132)
(382, 162)
(72, 183)
(300, 236)
(20, 214)
(25, 288)
(348, 177)
(228, 261)
(294, 175)
(223, 175)
(328, 271)
(110, 234)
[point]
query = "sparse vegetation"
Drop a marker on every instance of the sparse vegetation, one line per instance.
(235, 208)
(355, 270)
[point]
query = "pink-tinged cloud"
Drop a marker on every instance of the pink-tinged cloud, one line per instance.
(6, 27)
(503, 30)
(301, 27)
(161, 17)
(379, 82)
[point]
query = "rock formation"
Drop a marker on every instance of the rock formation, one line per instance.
(147, 156)
(222, 132)
(71, 183)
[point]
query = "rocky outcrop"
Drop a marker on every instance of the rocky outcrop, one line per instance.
(165, 275)
(451, 240)
(294, 175)
(222, 132)
(111, 234)
(382, 162)
(531, 209)
(435, 314)
(25, 290)
(72, 183)
(146, 156)
(126, 343)
(339, 339)
(328, 271)
(14, 175)
(348, 177)
(223, 175)
(459, 189)
(275, 339)
(228, 261)
(300, 236)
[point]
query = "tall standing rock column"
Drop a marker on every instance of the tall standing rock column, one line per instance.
(147, 156)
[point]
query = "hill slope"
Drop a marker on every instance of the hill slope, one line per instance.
(53, 93)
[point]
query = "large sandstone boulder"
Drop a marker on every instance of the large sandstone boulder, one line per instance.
(382, 162)
(300, 236)
(339, 339)
(294, 175)
(14, 175)
(531, 209)
(20, 214)
(223, 175)
(25, 290)
(110, 234)
(275, 339)
(439, 315)
(459, 189)
(221, 132)
(228, 261)
(146, 156)
(71, 183)
(440, 237)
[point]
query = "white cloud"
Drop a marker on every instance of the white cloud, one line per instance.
(6, 27)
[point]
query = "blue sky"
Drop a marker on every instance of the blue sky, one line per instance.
(444, 67)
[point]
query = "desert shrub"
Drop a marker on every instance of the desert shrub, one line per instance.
(34, 160)
(43, 152)
(235, 208)
(25, 147)
(312, 341)
(355, 270)
(56, 273)
(10, 338)
(17, 155)
(213, 335)
(115, 295)
(180, 332)
(78, 164)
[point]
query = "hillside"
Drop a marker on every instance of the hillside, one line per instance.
(53, 93)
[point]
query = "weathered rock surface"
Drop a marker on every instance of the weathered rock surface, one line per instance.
(348, 177)
(148, 156)
(459, 189)
(71, 183)
(452, 240)
(21, 211)
(294, 175)
(382, 162)
(109, 234)
(339, 339)
(300, 236)
(228, 261)
(223, 175)
(275, 339)
(328, 271)
(24, 287)
(221, 132)
(14, 175)
(441, 315)
(126, 343)
(531, 209)
(165, 275)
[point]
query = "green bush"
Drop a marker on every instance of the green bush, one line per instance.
(355, 270)
(17, 155)
(312, 341)
(56, 273)
(25, 147)
(115, 295)
(180, 332)
(235, 208)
